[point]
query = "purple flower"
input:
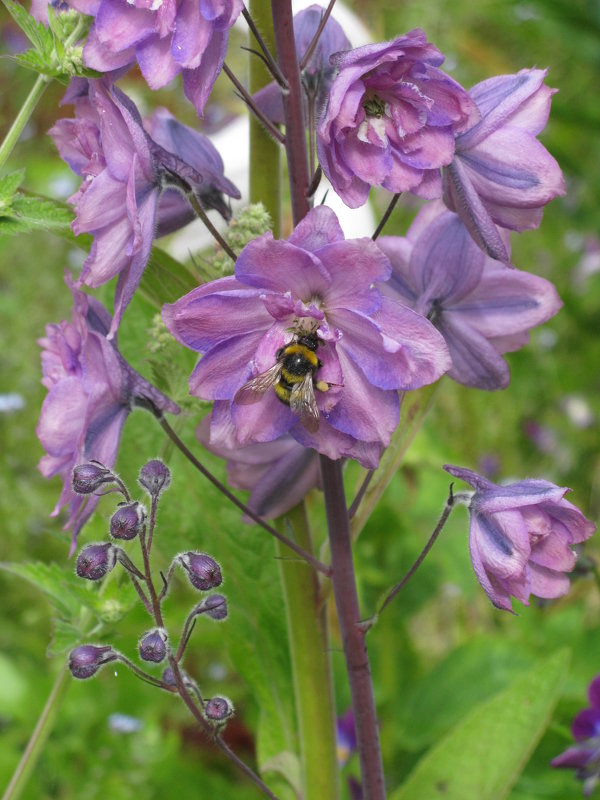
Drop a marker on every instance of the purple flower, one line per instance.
(584, 757)
(278, 474)
(318, 284)
(165, 38)
(501, 174)
(39, 8)
(124, 171)
(345, 737)
(391, 119)
(318, 73)
(520, 537)
(91, 390)
(200, 153)
(481, 307)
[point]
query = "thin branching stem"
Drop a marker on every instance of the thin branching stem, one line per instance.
(200, 212)
(386, 216)
(139, 673)
(270, 62)
(361, 493)
(230, 496)
(450, 503)
(248, 99)
(141, 594)
(315, 40)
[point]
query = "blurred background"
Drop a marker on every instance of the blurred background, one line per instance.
(441, 648)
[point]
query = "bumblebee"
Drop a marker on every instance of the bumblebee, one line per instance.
(292, 379)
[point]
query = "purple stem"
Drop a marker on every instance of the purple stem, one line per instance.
(295, 138)
(344, 584)
(353, 637)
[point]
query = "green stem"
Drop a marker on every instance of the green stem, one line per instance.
(309, 648)
(38, 739)
(22, 118)
(265, 154)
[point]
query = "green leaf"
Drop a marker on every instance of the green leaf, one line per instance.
(37, 33)
(165, 279)
(28, 212)
(468, 676)
(65, 636)
(482, 757)
(53, 581)
(9, 185)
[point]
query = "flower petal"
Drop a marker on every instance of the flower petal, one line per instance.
(507, 302)
(318, 228)
(278, 266)
(502, 542)
(156, 61)
(363, 410)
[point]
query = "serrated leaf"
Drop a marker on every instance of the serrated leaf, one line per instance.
(32, 59)
(53, 581)
(65, 636)
(39, 36)
(9, 184)
(12, 227)
(482, 757)
(40, 212)
(165, 279)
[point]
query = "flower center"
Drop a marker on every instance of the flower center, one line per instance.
(373, 105)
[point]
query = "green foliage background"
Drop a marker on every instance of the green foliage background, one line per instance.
(440, 650)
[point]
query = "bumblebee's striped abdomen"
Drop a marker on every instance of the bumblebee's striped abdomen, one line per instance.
(297, 361)
(283, 391)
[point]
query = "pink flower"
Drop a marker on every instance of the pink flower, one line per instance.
(520, 537)
(391, 119)
(91, 391)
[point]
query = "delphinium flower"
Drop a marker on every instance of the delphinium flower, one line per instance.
(481, 307)
(165, 38)
(91, 390)
(315, 284)
(391, 119)
(124, 172)
(200, 153)
(501, 174)
(278, 474)
(318, 73)
(584, 756)
(520, 537)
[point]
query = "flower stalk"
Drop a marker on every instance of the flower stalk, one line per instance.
(309, 649)
(264, 183)
(353, 637)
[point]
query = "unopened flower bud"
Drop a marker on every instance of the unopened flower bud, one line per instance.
(153, 646)
(215, 606)
(127, 521)
(168, 678)
(95, 561)
(218, 709)
(86, 660)
(155, 477)
(87, 478)
(203, 571)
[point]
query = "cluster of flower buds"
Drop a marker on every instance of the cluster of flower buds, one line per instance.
(131, 522)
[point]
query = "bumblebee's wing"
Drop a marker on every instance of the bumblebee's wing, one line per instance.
(252, 391)
(304, 403)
